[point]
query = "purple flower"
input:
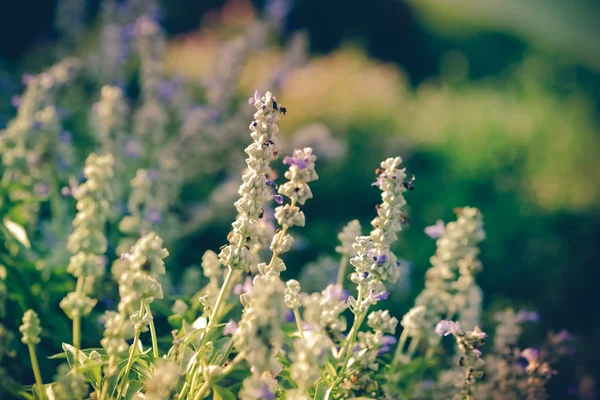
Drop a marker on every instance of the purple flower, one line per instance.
(246, 287)
(253, 99)
(381, 259)
(133, 149)
(445, 328)
(478, 333)
(378, 182)
(167, 90)
(427, 385)
(154, 175)
(378, 296)
(477, 353)
(299, 162)
(153, 215)
(66, 191)
(230, 328)
(27, 78)
(125, 256)
(266, 394)
(41, 189)
(16, 101)
(564, 336)
(528, 316)
(289, 316)
(335, 293)
(278, 198)
(65, 136)
(531, 355)
(436, 231)
(386, 343)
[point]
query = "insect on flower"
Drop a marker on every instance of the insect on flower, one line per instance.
(409, 185)
(283, 110)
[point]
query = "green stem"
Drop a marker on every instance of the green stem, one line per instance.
(400, 348)
(76, 335)
(412, 347)
(359, 318)
(342, 271)
(215, 315)
(152, 333)
(203, 390)
(136, 337)
(298, 322)
(36, 371)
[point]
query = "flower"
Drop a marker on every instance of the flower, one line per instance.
(230, 328)
(528, 316)
(436, 231)
(445, 328)
(253, 99)
(531, 355)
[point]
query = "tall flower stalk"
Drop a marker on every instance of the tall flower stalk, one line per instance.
(88, 241)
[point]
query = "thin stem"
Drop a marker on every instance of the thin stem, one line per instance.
(152, 333)
(298, 322)
(36, 371)
(215, 315)
(229, 368)
(76, 335)
(353, 333)
(136, 337)
(203, 390)
(400, 348)
(412, 347)
(342, 271)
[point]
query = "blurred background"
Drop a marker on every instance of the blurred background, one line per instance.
(490, 104)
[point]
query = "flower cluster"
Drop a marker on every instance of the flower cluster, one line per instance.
(259, 333)
(256, 189)
(450, 289)
(88, 241)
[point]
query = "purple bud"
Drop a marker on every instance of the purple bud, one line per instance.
(16, 101)
(531, 355)
(378, 182)
(66, 191)
(528, 316)
(278, 198)
(436, 231)
(445, 328)
(230, 328)
(65, 136)
(27, 78)
(381, 259)
(379, 296)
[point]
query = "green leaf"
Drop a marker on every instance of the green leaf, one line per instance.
(74, 354)
(221, 393)
(18, 232)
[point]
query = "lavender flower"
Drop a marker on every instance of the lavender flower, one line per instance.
(445, 328)
(436, 231)
(230, 328)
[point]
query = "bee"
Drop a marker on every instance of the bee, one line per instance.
(262, 213)
(404, 219)
(268, 142)
(274, 105)
(410, 185)
(461, 361)
(283, 110)
(331, 334)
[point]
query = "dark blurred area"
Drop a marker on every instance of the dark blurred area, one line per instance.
(540, 196)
